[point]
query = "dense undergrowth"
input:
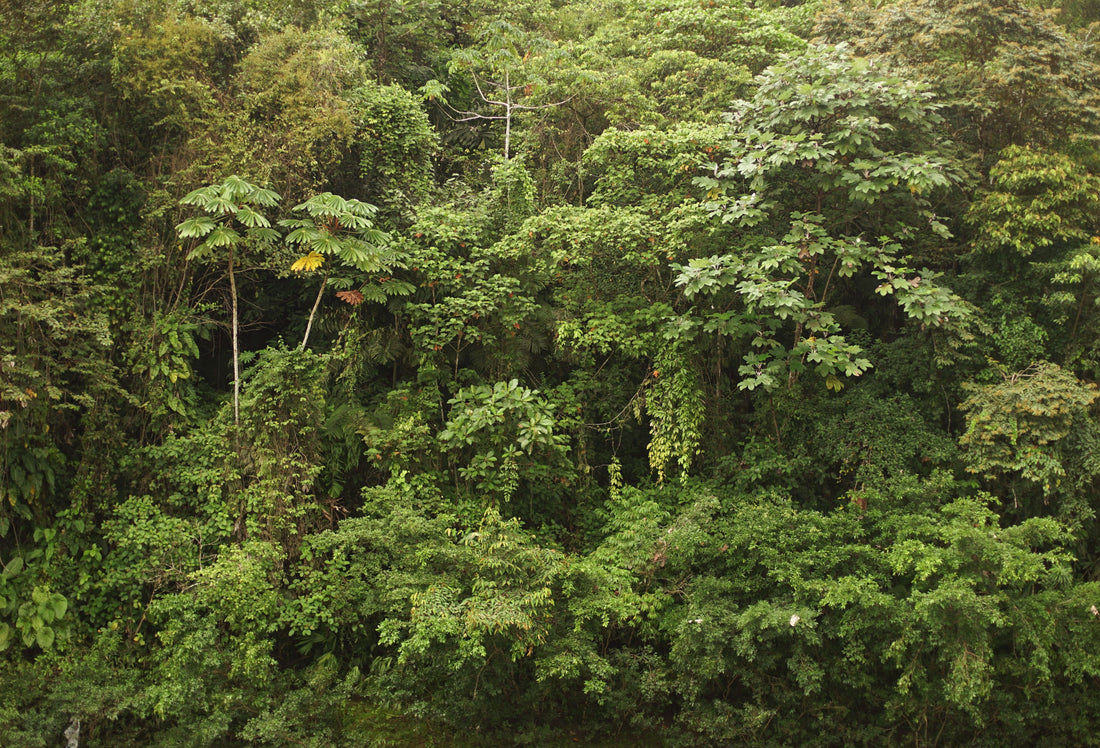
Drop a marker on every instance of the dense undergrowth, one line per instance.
(659, 372)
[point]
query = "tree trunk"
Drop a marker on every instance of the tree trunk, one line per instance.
(313, 311)
(507, 116)
(236, 346)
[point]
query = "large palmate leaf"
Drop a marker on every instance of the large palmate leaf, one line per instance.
(196, 227)
(312, 261)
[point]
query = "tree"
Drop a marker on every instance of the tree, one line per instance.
(828, 173)
(342, 228)
(229, 204)
(1033, 424)
(1006, 71)
(53, 344)
(295, 91)
(504, 72)
(1036, 238)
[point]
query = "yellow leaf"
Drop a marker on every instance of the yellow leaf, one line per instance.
(312, 261)
(833, 383)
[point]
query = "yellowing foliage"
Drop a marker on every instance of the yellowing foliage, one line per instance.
(310, 262)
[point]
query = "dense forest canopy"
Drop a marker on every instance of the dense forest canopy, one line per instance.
(673, 372)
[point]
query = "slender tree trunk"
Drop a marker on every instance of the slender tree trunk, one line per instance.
(236, 346)
(380, 66)
(507, 116)
(313, 312)
(30, 223)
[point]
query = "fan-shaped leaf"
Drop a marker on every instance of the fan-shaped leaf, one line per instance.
(305, 234)
(196, 227)
(312, 261)
(396, 287)
(360, 255)
(263, 235)
(325, 243)
(296, 223)
(220, 205)
(355, 298)
(222, 236)
(375, 294)
(251, 218)
(374, 236)
(266, 198)
(199, 197)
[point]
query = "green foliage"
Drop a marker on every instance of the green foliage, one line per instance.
(752, 603)
(233, 201)
(476, 627)
(52, 346)
(315, 713)
(649, 168)
(831, 118)
(1009, 74)
(328, 214)
(394, 144)
(1019, 425)
(509, 599)
(675, 418)
(505, 68)
(727, 30)
(512, 195)
(38, 621)
(571, 476)
(167, 70)
(829, 150)
(281, 456)
(1042, 207)
(343, 228)
(296, 96)
(474, 298)
(97, 684)
(162, 356)
(499, 424)
(403, 38)
(1038, 199)
(870, 440)
(215, 657)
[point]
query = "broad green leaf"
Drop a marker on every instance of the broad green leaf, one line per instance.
(266, 198)
(325, 243)
(305, 234)
(222, 236)
(58, 604)
(251, 218)
(220, 205)
(13, 567)
(263, 235)
(44, 637)
(195, 227)
(199, 197)
(236, 189)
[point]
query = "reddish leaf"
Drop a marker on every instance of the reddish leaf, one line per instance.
(355, 298)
